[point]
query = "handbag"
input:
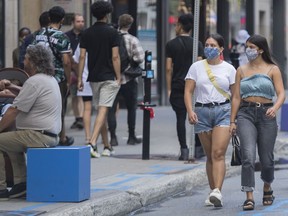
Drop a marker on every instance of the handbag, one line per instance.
(133, 71)
(236, 152)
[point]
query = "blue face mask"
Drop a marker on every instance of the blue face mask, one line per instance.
(251, 53)
(211, 52)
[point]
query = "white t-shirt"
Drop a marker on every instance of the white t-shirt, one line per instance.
(40, 104)
(87, 91)
(205, 92)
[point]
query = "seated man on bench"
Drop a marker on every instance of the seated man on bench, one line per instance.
(37, 111)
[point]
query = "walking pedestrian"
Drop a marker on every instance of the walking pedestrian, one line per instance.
(101, 42)
(255, 113)
(129, 85)
(86, 94)
(212, 83)
(23, 33)
(179, 53)
(44, 21)
(238, 56)
(60, 46)
(77, 103)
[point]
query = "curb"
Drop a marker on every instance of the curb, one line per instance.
(134, 199)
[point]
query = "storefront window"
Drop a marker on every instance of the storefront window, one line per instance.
(237, 17)
(70, 7)
(211, 16)
(146, 33)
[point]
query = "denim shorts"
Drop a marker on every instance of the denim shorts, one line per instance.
(210, 117)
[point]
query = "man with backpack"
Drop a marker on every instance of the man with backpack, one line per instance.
(129, 86)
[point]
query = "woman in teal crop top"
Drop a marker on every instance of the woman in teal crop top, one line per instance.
(252, 105)
(258, 85)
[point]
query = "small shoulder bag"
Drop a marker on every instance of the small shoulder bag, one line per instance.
(213, 80)
(236, 152)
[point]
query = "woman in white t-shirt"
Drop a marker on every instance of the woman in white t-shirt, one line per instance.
(211, 116)
(86, 94)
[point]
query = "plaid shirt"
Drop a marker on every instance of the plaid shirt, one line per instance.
(135, 52)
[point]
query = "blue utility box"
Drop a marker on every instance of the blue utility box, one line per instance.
(60, 174)
(284, 117)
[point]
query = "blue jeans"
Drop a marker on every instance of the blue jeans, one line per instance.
(254, 128)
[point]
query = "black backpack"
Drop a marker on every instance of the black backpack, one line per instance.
(124, 57)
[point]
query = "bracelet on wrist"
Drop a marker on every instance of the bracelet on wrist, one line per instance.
(232, 122)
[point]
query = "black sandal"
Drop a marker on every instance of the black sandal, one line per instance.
(248, 205)
(268, 198)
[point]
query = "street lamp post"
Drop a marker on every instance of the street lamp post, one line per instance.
(194, 59)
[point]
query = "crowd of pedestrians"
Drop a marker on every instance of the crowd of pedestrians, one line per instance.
(86, 64)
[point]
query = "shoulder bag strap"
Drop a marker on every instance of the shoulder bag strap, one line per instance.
(213, 80)
(50, 45)
(181, 41)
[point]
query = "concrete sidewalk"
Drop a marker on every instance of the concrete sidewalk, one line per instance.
(124, 183)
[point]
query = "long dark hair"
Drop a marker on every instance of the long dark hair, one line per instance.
(262, 43)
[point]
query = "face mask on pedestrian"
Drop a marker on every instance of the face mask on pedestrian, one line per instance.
(211, 52)
(251, 53)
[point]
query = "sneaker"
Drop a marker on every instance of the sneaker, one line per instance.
(207, 201)
(108, 152)
(93, 151)
(68, 142)
(114, 141)
(18, 190)
(134, 140)
(4, 195)
(216, 198)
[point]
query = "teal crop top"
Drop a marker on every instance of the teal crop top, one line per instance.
(258, 85)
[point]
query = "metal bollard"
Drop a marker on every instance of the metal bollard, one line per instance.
(146, 106)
